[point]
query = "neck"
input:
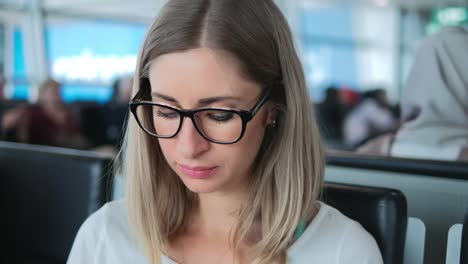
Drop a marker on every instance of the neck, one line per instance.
(217, 213)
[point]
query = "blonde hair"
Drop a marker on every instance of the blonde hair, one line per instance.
(288, 176)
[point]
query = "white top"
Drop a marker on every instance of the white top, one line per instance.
(366, 118)
(331, 237)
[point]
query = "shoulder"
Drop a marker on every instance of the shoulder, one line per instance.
(109, 216)
(358, 246)
(104, 237)
(332, 237)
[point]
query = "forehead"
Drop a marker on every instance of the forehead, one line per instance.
(199, 73)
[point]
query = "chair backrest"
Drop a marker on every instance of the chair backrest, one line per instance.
(381, 211)
(104, 124)
(435, 190)
(415, 241)
(45, 195)
(464, 242)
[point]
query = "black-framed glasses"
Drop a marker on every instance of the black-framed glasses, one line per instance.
(218, 125)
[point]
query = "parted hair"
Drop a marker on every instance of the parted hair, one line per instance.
(289, 168)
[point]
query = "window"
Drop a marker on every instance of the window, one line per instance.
(21, 84)
(86, 56)
(344, 46)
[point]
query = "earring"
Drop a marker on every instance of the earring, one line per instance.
(273, 124)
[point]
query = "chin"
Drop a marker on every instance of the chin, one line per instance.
(200, 187)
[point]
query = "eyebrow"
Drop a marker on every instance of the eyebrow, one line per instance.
(201, 102)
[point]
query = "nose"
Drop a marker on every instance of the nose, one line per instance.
(189, 142)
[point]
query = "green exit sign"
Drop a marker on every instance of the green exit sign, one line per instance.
(448, 16)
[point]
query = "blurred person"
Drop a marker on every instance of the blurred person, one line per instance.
(370, 118)
(13, 126)
(349, 97)
(116, 112)
(3, 100)
(223, 159)
(434, 103)
(11, 116)
(50, 121)
(2, 90)
(3, 108)
(121, 91)
(331, 113)
(104, 124)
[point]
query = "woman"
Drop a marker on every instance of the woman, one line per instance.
(225, 164)
(370, 118)
(51, 122)
(434, 103)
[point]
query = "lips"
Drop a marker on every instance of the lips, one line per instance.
(197, 172)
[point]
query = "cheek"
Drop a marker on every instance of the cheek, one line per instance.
(247, 149)
(167, 149)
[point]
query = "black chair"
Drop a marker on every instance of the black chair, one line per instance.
(45, 195)
(382, 212)
(104, 124)
(464, 242)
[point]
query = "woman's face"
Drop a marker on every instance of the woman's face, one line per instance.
(51, 95)
(186, 80)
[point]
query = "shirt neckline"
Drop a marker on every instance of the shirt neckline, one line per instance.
(296, 246)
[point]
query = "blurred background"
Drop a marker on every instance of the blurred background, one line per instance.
(66, 71)
(351, 51)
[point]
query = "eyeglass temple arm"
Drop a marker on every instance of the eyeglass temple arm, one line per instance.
(257, 107)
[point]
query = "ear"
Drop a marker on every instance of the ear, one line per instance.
(272, 113)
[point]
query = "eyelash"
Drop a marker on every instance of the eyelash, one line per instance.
(165, 115)
(224, 117)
